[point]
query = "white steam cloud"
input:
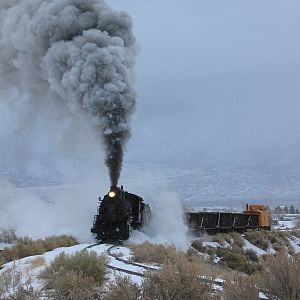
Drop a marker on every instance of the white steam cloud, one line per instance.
(65, 64)
(167, 224)
(80, 52)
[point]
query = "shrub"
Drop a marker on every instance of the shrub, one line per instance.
(87, 263)
(237, 239)
(198, 245)
(211, 251)
(123, 288)
(178, 280)
(278, 246)
(221, 238)
(148, 252)
(27, 247)
(236, 261)
(241, 287)
(280, 277)
(76, 276)
(71, 285)
(258, 239)
(296, 232)
(251, 255)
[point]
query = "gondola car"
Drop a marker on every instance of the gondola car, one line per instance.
(118, 213)
(254, 217)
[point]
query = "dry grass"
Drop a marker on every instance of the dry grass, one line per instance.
(37, 262)
(152, 253)
(240, 288)
(28, 247)
(123, 288)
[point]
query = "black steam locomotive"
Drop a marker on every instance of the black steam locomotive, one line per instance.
(118, 214)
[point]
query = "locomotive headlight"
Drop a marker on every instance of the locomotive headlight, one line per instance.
(111, 194)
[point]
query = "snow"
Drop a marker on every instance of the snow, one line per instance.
(5, 245)
(262, 296)
(100, 249)
(30, 272)
(212, 244)
(125, 253)
(285, 225)
(249, 246)
(295, 243)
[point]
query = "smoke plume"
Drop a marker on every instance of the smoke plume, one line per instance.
(77, 52)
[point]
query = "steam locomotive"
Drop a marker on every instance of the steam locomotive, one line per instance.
(118, 214)
(255, 216)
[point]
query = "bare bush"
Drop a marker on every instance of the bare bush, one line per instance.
(241, 287)
(177, 280)
(76, 276)
(280, 278)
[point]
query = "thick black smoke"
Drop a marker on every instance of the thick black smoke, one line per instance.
(78, 51)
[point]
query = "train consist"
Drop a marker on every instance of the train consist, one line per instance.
(254, 217)
(118, 214)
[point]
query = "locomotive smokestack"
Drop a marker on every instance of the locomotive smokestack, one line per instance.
(80, 52)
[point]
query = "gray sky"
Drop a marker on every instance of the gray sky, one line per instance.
(217, 81)
(218, 108)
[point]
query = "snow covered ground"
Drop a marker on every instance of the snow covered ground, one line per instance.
(29, 269)
(285, 224)
(119, 261)
(249, 246)
(5, 245)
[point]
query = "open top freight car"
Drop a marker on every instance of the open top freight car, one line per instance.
(254, 217)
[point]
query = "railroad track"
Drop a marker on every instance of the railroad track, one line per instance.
(123, 261)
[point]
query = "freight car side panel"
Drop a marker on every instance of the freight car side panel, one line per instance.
(240, 221)
(210, 220)
(226, 220)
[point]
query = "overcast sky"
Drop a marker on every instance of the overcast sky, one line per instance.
(217, 80)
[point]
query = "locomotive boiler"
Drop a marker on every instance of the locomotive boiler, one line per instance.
(119, 212)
